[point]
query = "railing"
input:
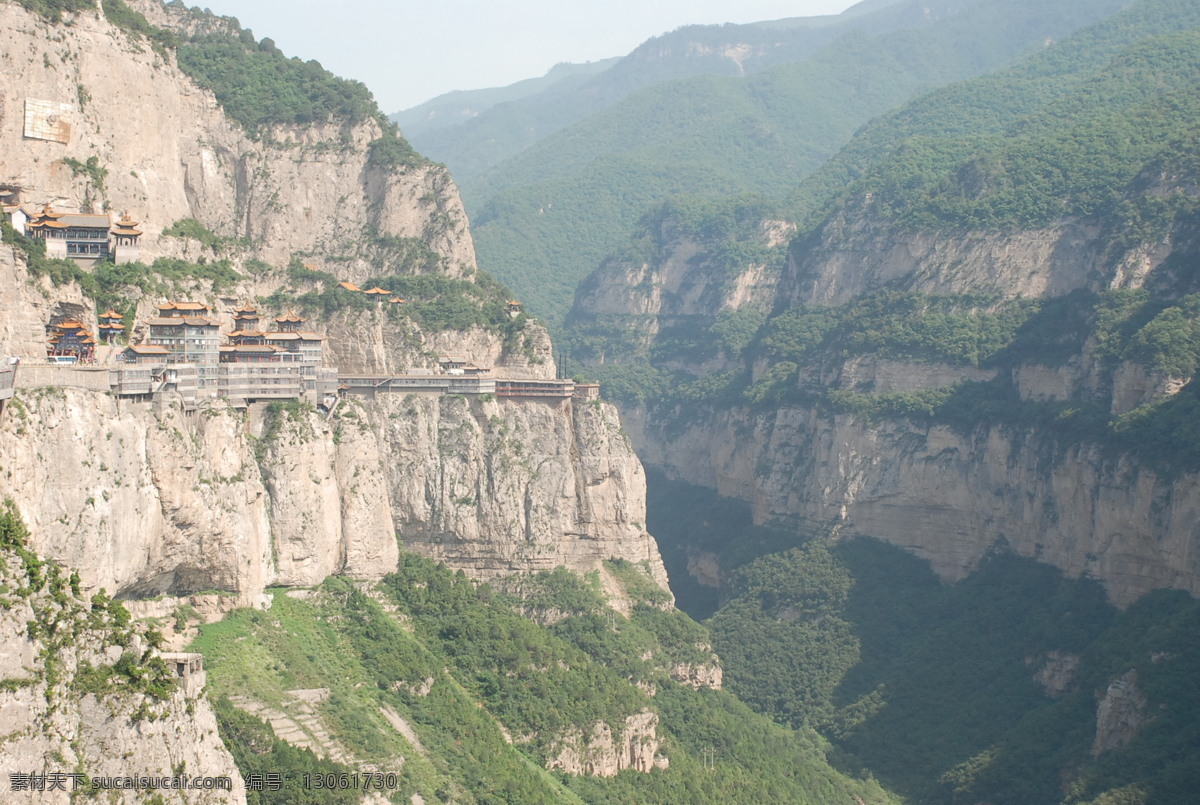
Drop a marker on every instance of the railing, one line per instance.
(535, 388)
(444, 384)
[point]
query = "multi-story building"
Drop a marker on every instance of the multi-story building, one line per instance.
(184, 354)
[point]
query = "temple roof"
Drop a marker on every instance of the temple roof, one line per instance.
(173, 321)
(111, 314)
(85, 220)
(148, 349)
(250, 348)
(377, 291)
(112, 326)
(349, 286)
(290, 316)
(126, 226)
(194, 306)
(395, 300)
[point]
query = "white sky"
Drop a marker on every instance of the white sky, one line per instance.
(407, 52)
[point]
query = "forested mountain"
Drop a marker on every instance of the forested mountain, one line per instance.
(972, 334)
(544, 217)
(520, 115)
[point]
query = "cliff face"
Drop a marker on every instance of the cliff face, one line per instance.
(855, 253)
(170, 153)
(371, 343)
(684, 286)
(149, 500)
(948, 497)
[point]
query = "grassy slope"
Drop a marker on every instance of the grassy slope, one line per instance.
(492, 666)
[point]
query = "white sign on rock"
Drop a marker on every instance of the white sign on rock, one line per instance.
(48, 120)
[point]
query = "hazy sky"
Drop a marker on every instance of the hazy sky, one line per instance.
(408, 52)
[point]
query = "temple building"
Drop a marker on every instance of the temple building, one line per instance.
(184, 356)
(186, 331)
(85, 236)
(111, 326)
(75, 235)
(289, 322)
(145, 354)
(125, 236)
(70, 339)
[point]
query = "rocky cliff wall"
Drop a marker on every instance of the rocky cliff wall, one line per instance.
(947, 496)
(854, 254)
(148, 499)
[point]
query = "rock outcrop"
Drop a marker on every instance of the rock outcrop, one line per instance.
(603, 754)
(60, 722)
(1120, 713)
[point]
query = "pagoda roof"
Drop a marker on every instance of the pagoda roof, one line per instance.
(48, 212)
(282, 336)
(377, 291)
(290, 316)
(246, 309)
(395, 300)
(112, 326)
(247, 334)
(148, 349)
(126, 226)
(349, 286)
(111, 314)
(70, 324)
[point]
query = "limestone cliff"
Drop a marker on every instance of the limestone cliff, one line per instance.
(948, 497)
(149, 499)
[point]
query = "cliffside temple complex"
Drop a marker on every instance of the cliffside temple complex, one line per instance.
(183, 356)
